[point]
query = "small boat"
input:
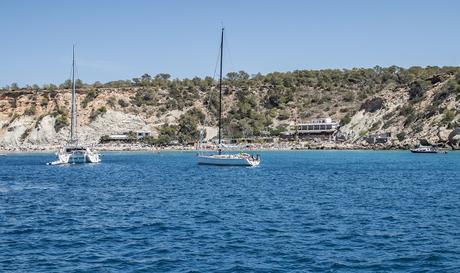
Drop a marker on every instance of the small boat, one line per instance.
(221, 159)
(73, 152)
(424, 150)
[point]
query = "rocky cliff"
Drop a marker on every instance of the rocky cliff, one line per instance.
(41, 117)
(412, 104)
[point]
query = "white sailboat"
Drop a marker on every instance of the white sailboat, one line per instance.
(225, 159)
(73, 152)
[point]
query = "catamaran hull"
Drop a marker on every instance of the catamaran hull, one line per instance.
(209, 160)
(76, 158)
(80, 159)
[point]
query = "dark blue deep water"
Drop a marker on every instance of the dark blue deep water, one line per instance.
(298, 212)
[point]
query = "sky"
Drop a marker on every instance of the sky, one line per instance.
(119, 40)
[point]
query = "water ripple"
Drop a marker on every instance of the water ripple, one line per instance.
(298, 212)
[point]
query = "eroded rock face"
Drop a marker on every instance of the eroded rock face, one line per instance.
(43, 133)
(15, 133)
(29, 117)
(32, 118)
(113, 122)
(454, 138)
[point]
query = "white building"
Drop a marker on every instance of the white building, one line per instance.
(126, 135)
(317, 126)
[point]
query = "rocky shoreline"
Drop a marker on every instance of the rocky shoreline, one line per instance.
(252, 147)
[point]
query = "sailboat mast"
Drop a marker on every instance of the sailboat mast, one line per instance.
(73, 125)
(220, 88)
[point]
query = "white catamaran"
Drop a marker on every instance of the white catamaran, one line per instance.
(73, 152)
(221, 159)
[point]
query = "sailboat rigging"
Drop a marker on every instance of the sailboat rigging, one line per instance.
(220, 90)
(73, 152)
(222, 159)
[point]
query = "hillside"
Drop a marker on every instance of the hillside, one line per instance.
(412, 104)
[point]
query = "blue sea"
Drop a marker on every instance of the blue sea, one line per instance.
(299, 211)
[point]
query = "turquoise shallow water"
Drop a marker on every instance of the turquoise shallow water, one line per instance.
(313, 211)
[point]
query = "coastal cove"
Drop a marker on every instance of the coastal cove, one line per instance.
(230, 136)
(298, 211)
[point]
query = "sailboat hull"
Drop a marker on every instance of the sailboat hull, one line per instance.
(227, 160)
(76, 156)
(242, 159)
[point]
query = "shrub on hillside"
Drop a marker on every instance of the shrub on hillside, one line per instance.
(345, 120)
(144, 96)
(283, 115)
(111, 101)
(61, 122)
(349, 97)
(123, 103)
(417, 90)
(32, 110)
(90, 96)
(372, 105)
(167, 134)
(448, 116)
(44, 101)
(95, 113)
(401, 136)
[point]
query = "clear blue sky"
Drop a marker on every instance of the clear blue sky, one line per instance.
(124, 39)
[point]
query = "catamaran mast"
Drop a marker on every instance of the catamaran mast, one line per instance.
(73, 125)
(220, 89)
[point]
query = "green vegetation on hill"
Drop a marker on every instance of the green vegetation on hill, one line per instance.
(260, 105)
(185, 132)
(98, 112)
(90, 96)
